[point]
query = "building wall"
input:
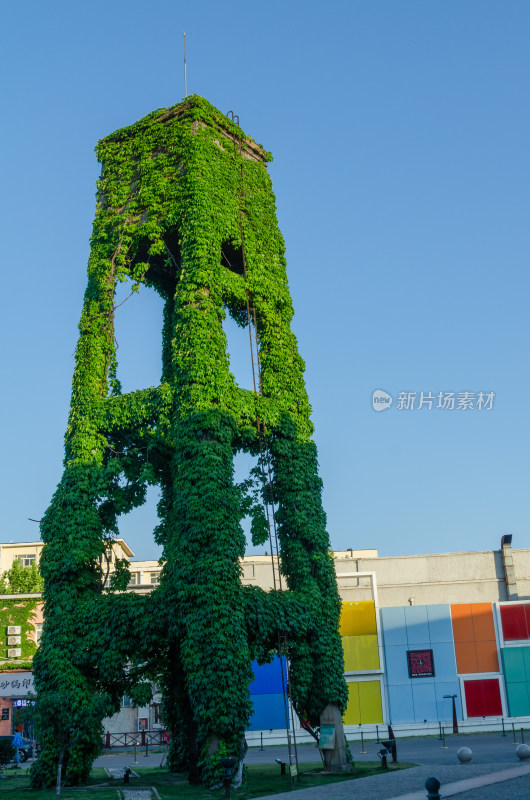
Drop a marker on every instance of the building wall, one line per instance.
(6, 714)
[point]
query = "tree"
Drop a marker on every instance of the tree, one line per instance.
(21, 580)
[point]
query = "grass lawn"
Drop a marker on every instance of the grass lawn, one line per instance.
(261, 779)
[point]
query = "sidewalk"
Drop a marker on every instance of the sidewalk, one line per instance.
(494, 774)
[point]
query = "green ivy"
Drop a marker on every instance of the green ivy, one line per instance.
(185, 205)
(17, 612)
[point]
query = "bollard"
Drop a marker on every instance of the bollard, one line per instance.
(261, 741)
(135, 761)
(126, 775)
(146, 748)
(433, 788)
(443, 747)
(362, 744)
(377, 731)
(522, 735)
(440, 736)
(503, 731)
(513, 731)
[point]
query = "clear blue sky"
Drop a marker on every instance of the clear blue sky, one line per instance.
(401, 140)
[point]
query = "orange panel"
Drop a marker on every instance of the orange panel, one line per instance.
(466, 657)
(462, 623)
(483, 622)
(487, 659)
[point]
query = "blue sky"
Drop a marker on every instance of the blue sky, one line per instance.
(400, 131)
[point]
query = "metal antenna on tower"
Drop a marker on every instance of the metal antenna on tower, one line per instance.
(185, 77)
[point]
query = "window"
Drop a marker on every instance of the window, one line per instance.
(127, 701)
(155, 578)
(38, 632)
(134, 579)
(108, 556)
(26, 560)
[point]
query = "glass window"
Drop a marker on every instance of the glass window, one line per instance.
(38, 632)
(134, 579)
(155, 577)
(27, 560)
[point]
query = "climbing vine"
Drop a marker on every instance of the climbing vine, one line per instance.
(185, 205)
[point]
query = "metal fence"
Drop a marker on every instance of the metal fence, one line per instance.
(140, 738)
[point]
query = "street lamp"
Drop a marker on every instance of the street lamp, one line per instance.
(455, 721)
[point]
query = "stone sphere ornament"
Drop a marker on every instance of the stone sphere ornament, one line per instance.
(523, 751)
(464, 755)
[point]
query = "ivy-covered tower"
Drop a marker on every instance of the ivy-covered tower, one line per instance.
(185, 205)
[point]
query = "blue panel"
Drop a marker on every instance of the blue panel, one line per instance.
(445, 707)
(267, 678)
(396, 664)
(268, 713)
(444, 661)
(393, 624)
(401, 705)
(417, 624)
(440, 626)
(424, 700)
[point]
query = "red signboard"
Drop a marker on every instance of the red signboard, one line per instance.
(421, 663)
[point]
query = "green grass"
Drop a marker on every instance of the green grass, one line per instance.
(261, 779)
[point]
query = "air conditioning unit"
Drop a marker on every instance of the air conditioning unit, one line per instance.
(15, 653)
(11, 640)
(14, 630)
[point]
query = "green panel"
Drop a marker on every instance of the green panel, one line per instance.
(370, 701)
(526, 659)
(518, 700)
(360, 652)
(513, 664)
(352, 715)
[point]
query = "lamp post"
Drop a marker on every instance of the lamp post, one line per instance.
(455, 721)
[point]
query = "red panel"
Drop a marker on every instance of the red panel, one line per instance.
(483, 698)
(514, 622)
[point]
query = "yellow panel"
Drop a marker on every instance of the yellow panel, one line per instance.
(357, 619)
(352, 715)
(371, 709)
(360, 652)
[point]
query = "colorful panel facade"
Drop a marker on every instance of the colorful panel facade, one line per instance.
(515, 621)
(358, 628)
(360, 653)
(483, 697)
(364, 703)
(516, 666)
(419, 629)
(474, 636)
(267, 677)
(267, 696)
(269, 712)
(358, 619)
